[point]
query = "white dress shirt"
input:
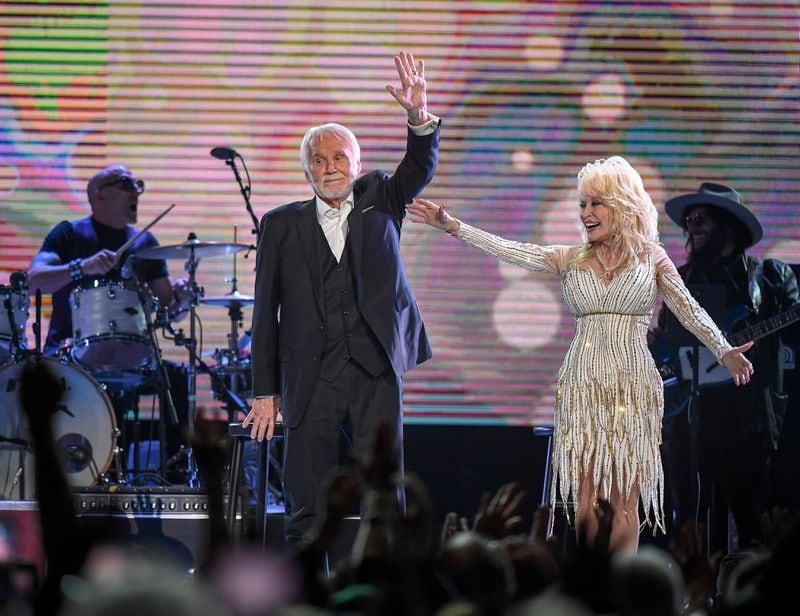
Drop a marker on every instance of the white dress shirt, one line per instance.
(334, 224)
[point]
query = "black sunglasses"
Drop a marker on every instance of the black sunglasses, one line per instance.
(126, 183)
(699, 218)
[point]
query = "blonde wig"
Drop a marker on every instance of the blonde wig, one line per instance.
(634, 219)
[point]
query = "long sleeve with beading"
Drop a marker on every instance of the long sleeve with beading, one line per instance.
(552, 259)
(685, 307)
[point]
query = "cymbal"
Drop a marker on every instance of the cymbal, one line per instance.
(228, 300)
(191, 247)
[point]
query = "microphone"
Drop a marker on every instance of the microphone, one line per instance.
(224, 153)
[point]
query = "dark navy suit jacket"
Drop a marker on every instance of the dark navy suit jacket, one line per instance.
(288, 328)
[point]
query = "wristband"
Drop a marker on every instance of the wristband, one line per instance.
(75, 270)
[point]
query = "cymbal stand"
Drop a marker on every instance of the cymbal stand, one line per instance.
(190, 267)
(234, 311)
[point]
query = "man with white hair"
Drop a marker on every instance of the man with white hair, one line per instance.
(335, 323)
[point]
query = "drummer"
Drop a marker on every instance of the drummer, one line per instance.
(74, 253)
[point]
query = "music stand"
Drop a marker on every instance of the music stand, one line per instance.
(712, 299)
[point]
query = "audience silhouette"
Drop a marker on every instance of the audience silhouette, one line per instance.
(397, 564)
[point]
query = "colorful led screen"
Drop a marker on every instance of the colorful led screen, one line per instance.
(527, 92)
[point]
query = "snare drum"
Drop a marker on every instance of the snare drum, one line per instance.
(20, 304)
(84, 428)
(109, 328)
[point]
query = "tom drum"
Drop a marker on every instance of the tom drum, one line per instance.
(109, 328)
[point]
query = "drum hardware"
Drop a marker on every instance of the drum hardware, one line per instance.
(234, 302)
(163, 378)
(229, 395)
(14, 319)
(117, 458)
(230, 357)
(18, 477)
(192, 250)
(37, 324)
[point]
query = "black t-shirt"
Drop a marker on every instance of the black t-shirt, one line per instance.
(84, 238)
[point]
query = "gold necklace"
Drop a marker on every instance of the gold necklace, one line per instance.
(608, 272)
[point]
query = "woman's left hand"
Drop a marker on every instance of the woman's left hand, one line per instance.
(738, 365)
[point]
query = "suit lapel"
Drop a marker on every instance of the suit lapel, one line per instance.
(307, 230)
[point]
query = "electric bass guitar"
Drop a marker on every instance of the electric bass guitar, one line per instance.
(710, 372)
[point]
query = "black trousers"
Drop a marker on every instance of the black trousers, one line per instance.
(732, 473)
(351, 406)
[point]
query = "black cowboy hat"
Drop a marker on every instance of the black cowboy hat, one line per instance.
(719, 196)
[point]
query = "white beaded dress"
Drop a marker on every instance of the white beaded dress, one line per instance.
(610, 399)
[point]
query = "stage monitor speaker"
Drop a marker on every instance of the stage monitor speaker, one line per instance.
(172, 521)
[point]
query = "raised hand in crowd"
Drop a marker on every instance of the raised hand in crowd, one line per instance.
(452, 524)
(212, 457)
(498, 515)
(698, 568)
(777, 525)
(65, 544)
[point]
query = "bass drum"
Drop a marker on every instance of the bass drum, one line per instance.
(84, 428)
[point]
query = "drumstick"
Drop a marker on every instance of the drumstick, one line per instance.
(130, 242)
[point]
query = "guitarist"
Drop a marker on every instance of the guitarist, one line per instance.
(737, 428)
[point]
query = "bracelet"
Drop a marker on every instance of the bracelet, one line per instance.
(75, 270)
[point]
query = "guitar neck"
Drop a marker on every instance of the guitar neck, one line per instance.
(765, 328)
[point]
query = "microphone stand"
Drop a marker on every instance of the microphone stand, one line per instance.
(245, 190)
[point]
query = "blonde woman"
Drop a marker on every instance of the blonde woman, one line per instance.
(610, 395)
